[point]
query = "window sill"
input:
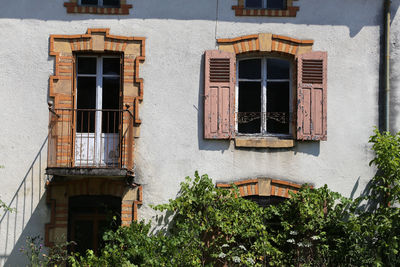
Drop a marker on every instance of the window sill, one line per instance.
(75, 8)
(291, 11)
(263, 142)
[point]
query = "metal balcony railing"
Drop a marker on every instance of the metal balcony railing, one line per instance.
(90, 138)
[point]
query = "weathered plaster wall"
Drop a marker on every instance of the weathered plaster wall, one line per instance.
(171, 145)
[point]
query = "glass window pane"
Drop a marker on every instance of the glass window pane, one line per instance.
(110, 114)
(111, 66)
(249, 115)
(114, 3)
(87, 65)
(86, 99)
(254, 3)
(276, 4)
(89, 2)
(250, 69)
(278, 107)
(277, 68)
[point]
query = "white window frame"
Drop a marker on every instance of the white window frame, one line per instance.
(99, 95)
(264, 4)
(99, 3)
(264, 80)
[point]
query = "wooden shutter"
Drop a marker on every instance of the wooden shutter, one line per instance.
(219, 92)
(311, 96)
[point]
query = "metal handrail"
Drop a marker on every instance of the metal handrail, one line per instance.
(90, 148)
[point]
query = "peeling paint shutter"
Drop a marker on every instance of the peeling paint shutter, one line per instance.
(311, 96)
(219, 92)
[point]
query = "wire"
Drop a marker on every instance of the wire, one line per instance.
(216, 23)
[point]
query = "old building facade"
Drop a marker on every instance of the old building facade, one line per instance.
(109, 104)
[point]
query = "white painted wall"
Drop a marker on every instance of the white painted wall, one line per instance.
(171, 145)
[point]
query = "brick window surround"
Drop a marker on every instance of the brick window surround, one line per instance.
(263, 187)
(62, 84)
(241, 10)
(62, 89)
(59, 192)
(261, 45)
(73, 6)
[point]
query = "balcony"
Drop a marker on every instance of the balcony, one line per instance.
(90, 142)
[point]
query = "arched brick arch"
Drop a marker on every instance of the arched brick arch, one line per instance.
(265, 42)
(263, 187)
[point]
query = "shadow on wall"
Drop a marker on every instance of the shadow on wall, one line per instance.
(353, 14)
(29, 214)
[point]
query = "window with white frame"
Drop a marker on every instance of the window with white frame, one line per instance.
(97, 110)
(268, 4)
(263, 96)
(101, 3)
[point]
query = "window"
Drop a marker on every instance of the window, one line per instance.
(89, 218)
(264, 101)
(265, 201)
(269, 4)
(270, 8)
(264, 96)
(97, 114)
(103, 7)
(97, 91)
(102, 3)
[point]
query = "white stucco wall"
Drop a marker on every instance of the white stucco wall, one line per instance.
(171, 146)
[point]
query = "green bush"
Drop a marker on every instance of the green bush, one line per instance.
(211, 226)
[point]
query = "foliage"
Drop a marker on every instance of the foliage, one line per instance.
(38, 255)
(5, 207)
(212, 226)
(127, 246)
(316, 227)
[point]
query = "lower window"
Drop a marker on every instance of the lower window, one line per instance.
(264, 97)
(89, 218)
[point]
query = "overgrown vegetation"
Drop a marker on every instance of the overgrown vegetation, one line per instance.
(315, 227)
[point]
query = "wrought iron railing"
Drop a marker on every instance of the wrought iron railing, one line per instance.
(91, 138)
(280, 117)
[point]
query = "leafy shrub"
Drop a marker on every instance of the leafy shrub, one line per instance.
(316, 227)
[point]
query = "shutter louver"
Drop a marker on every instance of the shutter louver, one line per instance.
(311, 96)
(219, 69)
(219, 90)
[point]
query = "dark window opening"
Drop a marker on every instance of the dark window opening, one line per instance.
(276, 4)
(265, 201)
(104, 3)
(111, 3)
(86, 104)
(254, 3)
(89, 217)
(264, 96)
(268, 4)
(249, 107)
(278, 107)
(89, 2)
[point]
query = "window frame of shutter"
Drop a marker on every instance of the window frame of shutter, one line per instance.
(219, 98)
(311, 114)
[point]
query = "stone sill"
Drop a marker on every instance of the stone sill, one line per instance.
(263, 142)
